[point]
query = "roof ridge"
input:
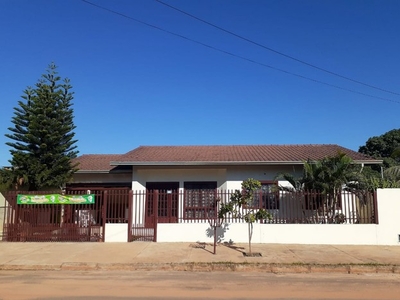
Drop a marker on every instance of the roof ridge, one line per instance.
(99, 154)
(234, 145)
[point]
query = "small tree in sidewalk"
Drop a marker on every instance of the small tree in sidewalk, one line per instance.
(241, 205)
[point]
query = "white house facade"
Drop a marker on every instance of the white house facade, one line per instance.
(179, 174)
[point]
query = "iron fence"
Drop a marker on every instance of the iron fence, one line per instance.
(63, 223)
(284, 207)
(51, 222)
(143, 210)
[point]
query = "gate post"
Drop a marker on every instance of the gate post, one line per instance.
(155, 212)
(17, 217)
(375, 201)
(104, 213)
(130, 215)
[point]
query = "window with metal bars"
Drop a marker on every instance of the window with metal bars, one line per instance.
(200, 199)
(266, 197)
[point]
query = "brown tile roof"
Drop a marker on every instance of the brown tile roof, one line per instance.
(164, 155)
(215, 155)
(96, 162)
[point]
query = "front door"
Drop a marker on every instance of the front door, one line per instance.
(168, 196)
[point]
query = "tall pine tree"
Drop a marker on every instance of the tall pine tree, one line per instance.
(43, 143)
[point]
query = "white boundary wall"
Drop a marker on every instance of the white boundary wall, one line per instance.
(116, 233)
(387, 232)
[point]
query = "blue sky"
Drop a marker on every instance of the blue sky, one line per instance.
(138, 85)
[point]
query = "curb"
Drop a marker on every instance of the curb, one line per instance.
(214, 267)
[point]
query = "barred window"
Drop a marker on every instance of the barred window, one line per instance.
(200, 199)
(267, 196)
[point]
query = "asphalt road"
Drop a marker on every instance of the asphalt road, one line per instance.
(62, 285)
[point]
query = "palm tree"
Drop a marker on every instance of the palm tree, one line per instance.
(371, 180)
(393, 173)
(304, 189)
(391, 178)
(310, 179)
(336, 172)
(326, 177)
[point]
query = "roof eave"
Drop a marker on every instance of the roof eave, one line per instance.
(104, 171)
(220, 163)
(369, 162)
(197, 163)
(93, 171)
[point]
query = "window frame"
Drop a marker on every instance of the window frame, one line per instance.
(263, 204)
(197, 206)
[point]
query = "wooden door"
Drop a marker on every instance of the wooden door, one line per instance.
(167, 201)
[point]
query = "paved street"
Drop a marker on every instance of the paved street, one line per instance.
(62, 285)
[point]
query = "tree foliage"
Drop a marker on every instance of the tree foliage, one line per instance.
(327, 178)
(43, 144)
(327, 175)
(369, 183)
(331, 174)
(385, 146)
(241, 205)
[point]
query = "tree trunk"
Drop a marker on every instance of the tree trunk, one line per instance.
(250, 226)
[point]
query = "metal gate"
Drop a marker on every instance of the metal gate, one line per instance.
(144, 210)
(52, 222)
(64, 223)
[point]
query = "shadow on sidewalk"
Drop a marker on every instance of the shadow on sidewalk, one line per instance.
(232, 246)
(202, 245)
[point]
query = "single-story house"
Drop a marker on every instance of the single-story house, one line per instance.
(188, 167)
(186, 178)
(173, 194)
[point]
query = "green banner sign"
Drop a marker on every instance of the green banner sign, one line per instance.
(55, 199)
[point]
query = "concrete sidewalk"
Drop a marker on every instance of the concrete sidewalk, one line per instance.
(199, 257)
